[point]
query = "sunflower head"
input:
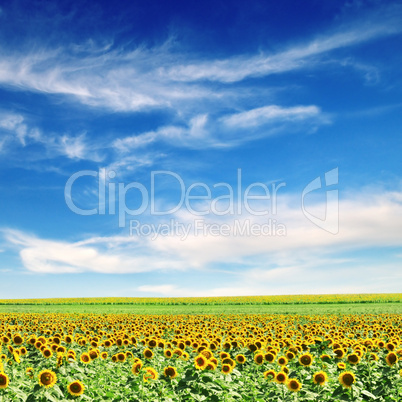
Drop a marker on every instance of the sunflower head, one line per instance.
(76, 388)
(347, 379)
(4, 381)
(18, 339)
(320, 378)
(226, 368)
(148, 354)
(170, 372)
(241, 359)
(150, 374)
(353, 358)
(200, 362)
(306, 359)
(137, 366)
(391, 358)
(270, 357)
(281, 377)
(47, 378)
(270, 375)
(85, 358)
(211, 366)
(294, 385)
(282, 361)
(259, 358)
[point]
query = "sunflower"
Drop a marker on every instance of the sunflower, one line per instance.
(168, 353)
(306, 359)
(29, 372)
(93, 354)
(281, 377)
(68, 339)
(121, 357)
(270, 375)
(391, 358)
(320, 378)
(47, 378)
(341, 366)
(282, 361)
(47, 353)
(390, 346)
(16, 356)
(207, 353)
(148, 354)
(226, 368)
(339, 353)
(347, 379)
(353, 358)
(85, 358)
(270, 357)
(259, 358)
(4, 381)
(293, 385)
(200, 362)
(184, 356)
(150, 374)
(211, 366)
(240, 359)
(59, 360)
(18, 339)
(137, 366)
(76, 388)
(170, 372)
(230, 361)
(290, 355)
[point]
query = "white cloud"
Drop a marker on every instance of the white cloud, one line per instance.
(366, 222)
(159, 77)
(18, 132)
(203, 131)
(101, 255)
(260, 116)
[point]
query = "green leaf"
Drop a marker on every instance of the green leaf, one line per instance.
(50, 397)
(338, 391)
(369, 394)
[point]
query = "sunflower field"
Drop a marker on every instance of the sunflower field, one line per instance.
(261, 357)
(227, 300)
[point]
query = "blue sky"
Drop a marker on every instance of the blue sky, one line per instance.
(113, 118)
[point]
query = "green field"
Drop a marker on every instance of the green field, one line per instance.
(349, 308)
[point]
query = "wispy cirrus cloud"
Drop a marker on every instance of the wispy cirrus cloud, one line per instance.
(146, 78)
(232, 129)
(17, 132)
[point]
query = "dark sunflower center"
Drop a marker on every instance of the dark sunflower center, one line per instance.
(392, 358)
(348, 379)
(46, 378)
(320, 378)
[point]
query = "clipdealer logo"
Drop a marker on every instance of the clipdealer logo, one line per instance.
(200, 199)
